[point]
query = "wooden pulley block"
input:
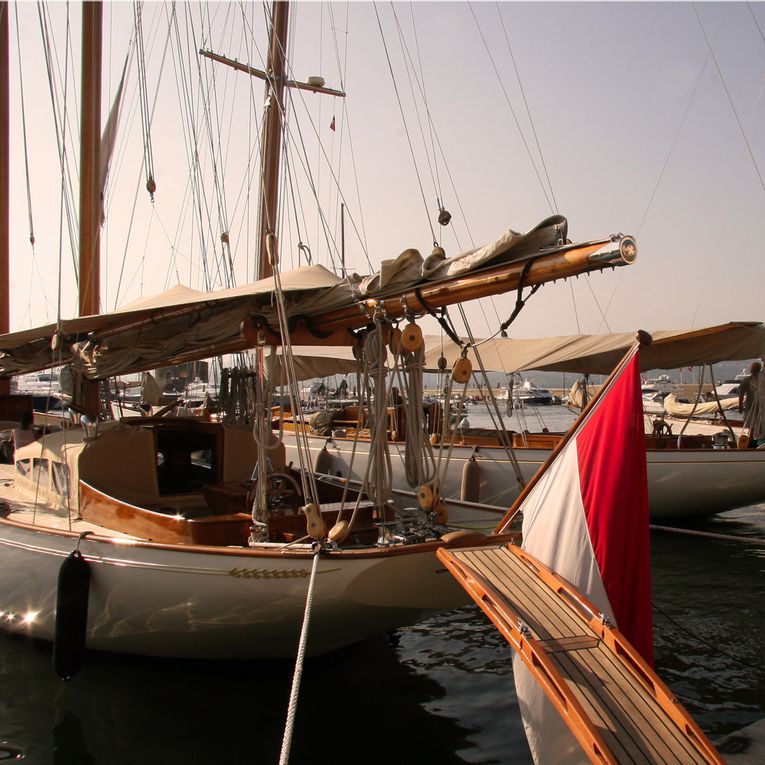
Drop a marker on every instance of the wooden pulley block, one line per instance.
(339, 532)
(411, 338)
(314, 523)
(394, 340)
(462, 370)
(426, 497)
(441, 513)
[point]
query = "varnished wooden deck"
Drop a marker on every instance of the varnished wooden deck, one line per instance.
(565, 645)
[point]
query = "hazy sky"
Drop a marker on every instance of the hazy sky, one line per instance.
(636, 130)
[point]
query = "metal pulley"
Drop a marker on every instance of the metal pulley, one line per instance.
(441, 363)
(151, 186)
(444, 216)
(411, 338)
(462, 370)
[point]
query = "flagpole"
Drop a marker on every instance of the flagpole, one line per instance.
(642, 338)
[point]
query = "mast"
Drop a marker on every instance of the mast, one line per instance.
(90, 149)
(271, 139)
(5, 324)
(90, 121)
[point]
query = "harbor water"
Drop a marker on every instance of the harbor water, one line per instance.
(440, 691)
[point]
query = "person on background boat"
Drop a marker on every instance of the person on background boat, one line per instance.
(747, 391)
(757, 419)
(25, 433)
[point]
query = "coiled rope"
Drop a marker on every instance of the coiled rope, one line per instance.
(419, 461)
(299, 660)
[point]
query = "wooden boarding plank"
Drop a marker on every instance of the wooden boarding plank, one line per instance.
(615, 705)
(544, 608)
(631, 730)
(537, 606)
(530, 586)
(594, 707)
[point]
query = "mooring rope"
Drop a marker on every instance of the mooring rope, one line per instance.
(299, 660)
(709, 535)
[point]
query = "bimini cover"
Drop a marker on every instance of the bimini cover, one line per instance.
(599, 354)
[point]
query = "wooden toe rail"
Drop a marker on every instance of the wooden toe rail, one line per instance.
(616, 706)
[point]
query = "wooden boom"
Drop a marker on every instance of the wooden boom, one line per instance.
(335, 327)
(572, 261)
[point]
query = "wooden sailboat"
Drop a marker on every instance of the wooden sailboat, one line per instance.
(695, 475)
(198, 538)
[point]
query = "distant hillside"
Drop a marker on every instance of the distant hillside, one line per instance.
(724, 371)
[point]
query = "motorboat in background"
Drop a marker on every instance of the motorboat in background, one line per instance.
(528, 393)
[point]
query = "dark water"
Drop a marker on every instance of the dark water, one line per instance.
(438, 692)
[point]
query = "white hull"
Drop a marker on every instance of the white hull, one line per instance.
(686, 482)
(163, 600)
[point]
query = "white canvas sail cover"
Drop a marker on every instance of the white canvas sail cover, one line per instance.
(599, 354)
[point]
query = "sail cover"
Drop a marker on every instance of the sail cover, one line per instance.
(599, 354)
(149, 331)
(183, 325)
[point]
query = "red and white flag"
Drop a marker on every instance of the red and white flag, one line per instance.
(587, 519)
(332, 124)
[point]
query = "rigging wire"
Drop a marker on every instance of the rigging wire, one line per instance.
(140, 173)
(403, 120)
(660, 177)
(59, 123)
(731, 192)
(425, 99)
(730, 99)
(756, 23)
(144, 100)
(512, 110)
(224, 265)
(528, 110)
(345, 125)
(24, 134)
(342, 63)
(408, 69)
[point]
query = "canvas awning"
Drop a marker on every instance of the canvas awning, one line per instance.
(599, 354)
(323, 361)
(182, 325)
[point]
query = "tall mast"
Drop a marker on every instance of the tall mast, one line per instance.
(90, 150)
(90, 120)
(271, 139)
(5, 323)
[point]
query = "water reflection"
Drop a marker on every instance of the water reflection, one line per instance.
(440, 691)
(361, 703)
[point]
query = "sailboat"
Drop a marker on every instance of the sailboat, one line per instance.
(688, 474)
(192, 538)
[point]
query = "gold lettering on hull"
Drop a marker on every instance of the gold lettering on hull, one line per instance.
(268, 573)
